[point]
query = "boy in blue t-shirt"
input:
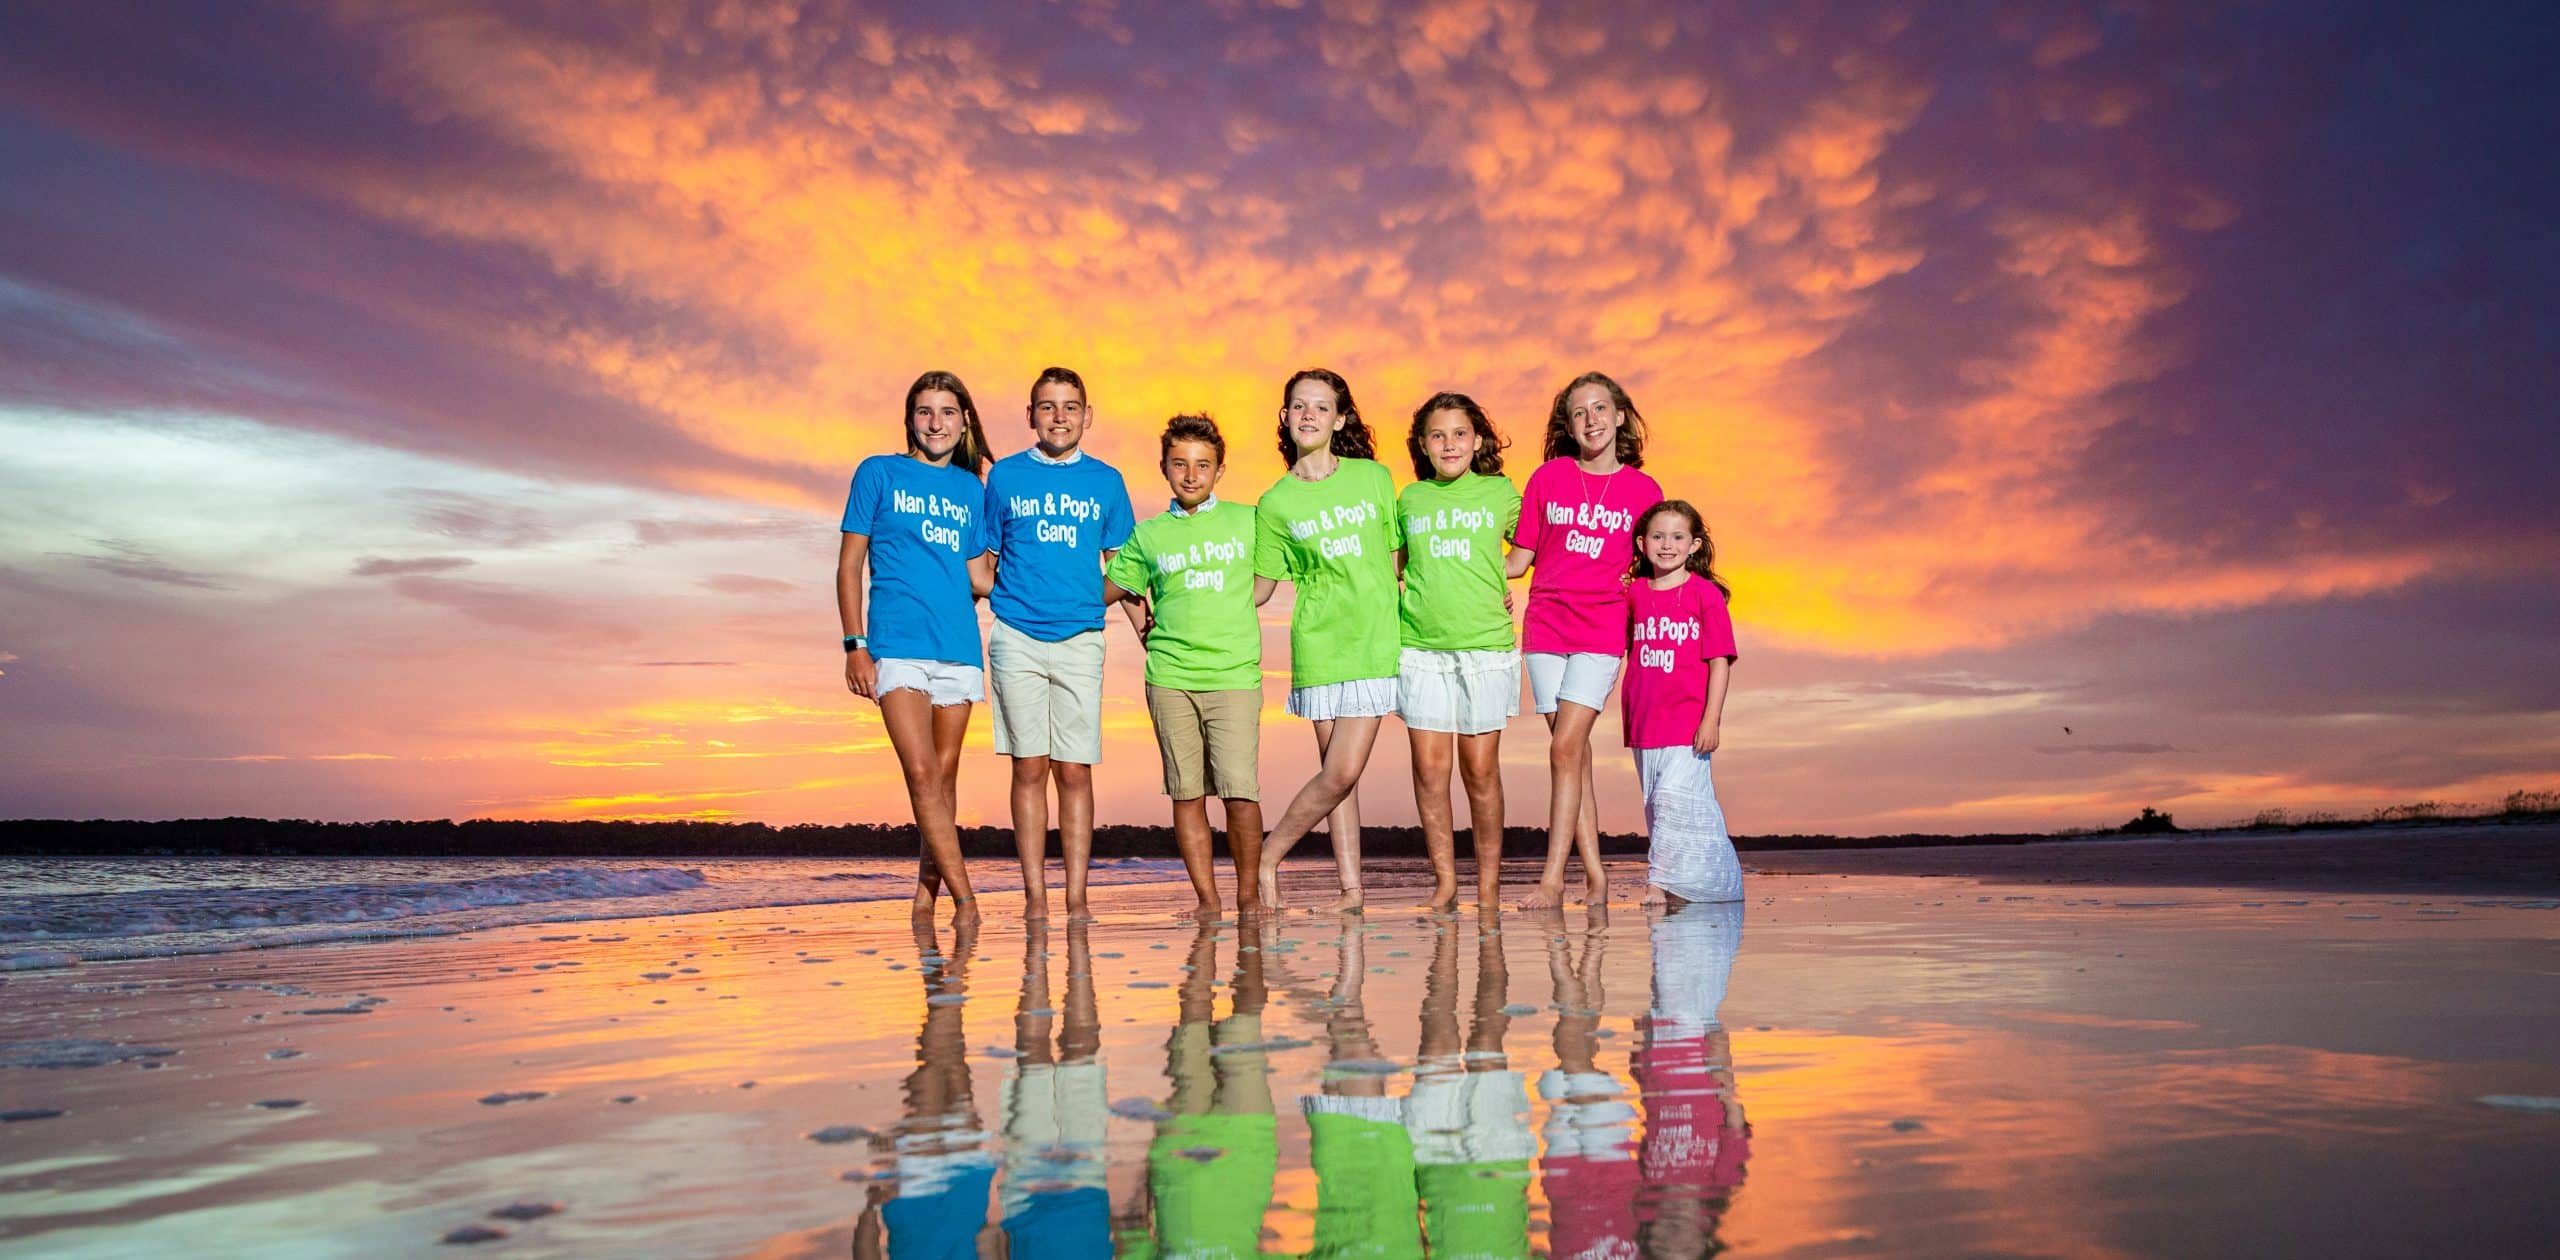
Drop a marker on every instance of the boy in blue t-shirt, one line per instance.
(1055, 516)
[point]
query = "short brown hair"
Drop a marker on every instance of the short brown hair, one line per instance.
(1192, 427)
(1060, 376)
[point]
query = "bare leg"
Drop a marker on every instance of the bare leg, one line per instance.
(1431, 756)
(1586, 836)
(1031, 832)
(1191, 837)
(1568, 769)
(1244, 848)
(1346, 745)
(927, 740)
(1480, 765)
(1075, 827)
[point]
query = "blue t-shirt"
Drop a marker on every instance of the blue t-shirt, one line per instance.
(1049, 525)
(925, 528)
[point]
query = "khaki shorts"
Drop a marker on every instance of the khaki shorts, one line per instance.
(1212, 741)
(1048, 695)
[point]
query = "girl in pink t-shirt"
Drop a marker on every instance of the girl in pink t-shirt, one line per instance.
(1577, 527)
(1680, 656)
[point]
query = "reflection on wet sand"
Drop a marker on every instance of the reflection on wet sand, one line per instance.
(1443, 1169)
(938, 1206)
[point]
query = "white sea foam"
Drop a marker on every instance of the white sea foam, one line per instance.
(96, 910)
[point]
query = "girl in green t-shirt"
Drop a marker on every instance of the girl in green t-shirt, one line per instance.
(1329, 528)
(1458, 680)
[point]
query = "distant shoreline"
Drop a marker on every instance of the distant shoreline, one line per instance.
(260, 837)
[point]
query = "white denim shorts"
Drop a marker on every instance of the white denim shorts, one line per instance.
(1463, 693)
(1585, 678)
(1358, 698)
(942, 682)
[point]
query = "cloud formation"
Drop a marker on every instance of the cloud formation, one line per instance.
(2030, 363)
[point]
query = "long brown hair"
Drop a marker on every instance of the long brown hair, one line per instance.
(1351, 441)
(1560, 443)
(970, 455)
(1701, 562)
(1489, 444)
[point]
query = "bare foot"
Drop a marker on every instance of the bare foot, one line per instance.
(1035, 908)
(965, 912)
(923, 908)
(1547, 897)
(1077, 909)
(1205, 912)
(1443, 897)
(1595, 892)
(1348, 902)
(1269, 880)
(1654, 896)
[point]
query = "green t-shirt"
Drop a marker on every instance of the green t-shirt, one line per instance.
(1454, 533)
(1197, 572)
(1336, 539)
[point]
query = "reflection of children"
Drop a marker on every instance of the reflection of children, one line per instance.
(1363, 1158)
(944, 1168)
(1680, 658)
(1695, 1137)
(1577, 527)
(1458, 680)
(1329, 528)
(1187, 577)
(1213, 1163)
(1056, 1111)
(1589, 1173)
(1467, 1114)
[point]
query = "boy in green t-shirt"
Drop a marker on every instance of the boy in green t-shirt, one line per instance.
(1186, 576)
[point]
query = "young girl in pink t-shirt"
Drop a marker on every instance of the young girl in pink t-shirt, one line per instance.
(1680, 656)
(1577, 527)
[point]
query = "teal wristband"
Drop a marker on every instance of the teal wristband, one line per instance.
(856, 643)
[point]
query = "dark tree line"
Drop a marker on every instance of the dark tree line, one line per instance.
(488, 837)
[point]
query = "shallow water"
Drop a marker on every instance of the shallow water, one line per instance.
(1853, 1066)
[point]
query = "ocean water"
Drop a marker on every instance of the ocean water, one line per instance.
(63, 911)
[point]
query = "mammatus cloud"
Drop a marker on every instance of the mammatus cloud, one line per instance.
(2031, 366)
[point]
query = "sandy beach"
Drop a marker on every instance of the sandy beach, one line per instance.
(2177, 1050)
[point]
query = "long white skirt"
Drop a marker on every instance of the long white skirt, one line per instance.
(1691, 856)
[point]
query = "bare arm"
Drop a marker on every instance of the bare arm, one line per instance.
(1262, 590)
(982, 575)
(853, 556)
(1516, 565)
(1710, 723)
(1132, 603)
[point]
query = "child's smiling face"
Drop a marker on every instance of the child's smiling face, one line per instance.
(1593, 418)
(937, 423)
(1668, 542)
(1313, 415)
(1450, 438)
(1191, 471)
(1059, 417)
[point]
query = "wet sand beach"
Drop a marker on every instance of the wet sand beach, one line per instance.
(1897, 1054)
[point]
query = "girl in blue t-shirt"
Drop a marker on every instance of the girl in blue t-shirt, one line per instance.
(914, 522)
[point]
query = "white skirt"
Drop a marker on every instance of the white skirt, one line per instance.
(1358, 698)
(1690, 855)
(1464, 693)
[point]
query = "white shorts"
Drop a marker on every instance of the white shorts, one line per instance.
(1048, 695)
(1585, 678)
(1459, 1117)
(1464, 693)
(942, 682)
(1358, 698)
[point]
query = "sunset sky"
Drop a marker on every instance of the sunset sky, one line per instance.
(444, 409)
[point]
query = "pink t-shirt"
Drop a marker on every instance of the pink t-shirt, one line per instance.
(1675, 633)
(1583, 528)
